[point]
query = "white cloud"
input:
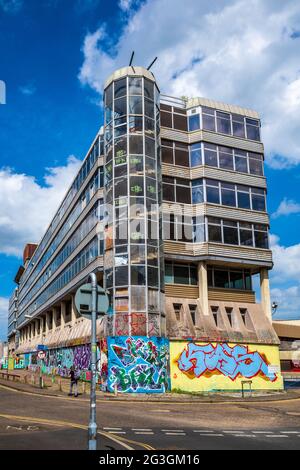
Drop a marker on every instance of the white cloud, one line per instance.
(244, 52)
(288, 300)
(287, 207)
(3, 317)
(285, 279)
(11, 6)
(27, 90)
(27, 207)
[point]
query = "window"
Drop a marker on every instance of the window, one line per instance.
(238, 125)
(181, 274)
(256, 164)
(208, 119)
(221, 279)
(215, 312)
(226, 158)
(135, 125)
(261, 236)
(252, 127)
(210, 155)
(181, 154)
(214, 230)
(243, 197)
(195, 153)
(258, 199)
(229, 312)
(197, 191)
(120, 107)
(180, 122)
(135, 105)
(135, 86)
(180, 186)
(120, 88)
(228, 194)
(223, 122)
(166, 119)
(177, 309)
(194, 122)
(193, 308)
(246, 236)
(230, 232)
(241, 163)
(212, 192)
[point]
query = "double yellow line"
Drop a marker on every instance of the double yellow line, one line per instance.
(119, 440)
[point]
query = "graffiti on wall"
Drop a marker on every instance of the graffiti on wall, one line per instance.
(222, 366)
(137, 364)
(232, 362)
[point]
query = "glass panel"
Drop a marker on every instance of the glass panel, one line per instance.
(169, 278)
(208, 122)
(226, 160)
(180, 122)
(138, 275)
(214, 233)
(230, 235)
(243, 200)
(121, 276)
(167, 155)
(221, 279)
(181, 274)
(261, 239)
(166, 119)
(210, 158)
(135, 124)
(228, 196)
(241, 164)
(258, 202)
(148, 89)
(120, 88)
(256, 167)
(194, 122)
(183, 194)
(181, 157)
(197, 193)
(135, 105)
(196, 158)
(136, 144)
(135, 86)
(223, 123)
(120, 107)
(137, 253)
(149, 108)
(246, 238)
(212, 194)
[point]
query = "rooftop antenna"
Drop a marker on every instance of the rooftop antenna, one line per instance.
(131, 60)
(152, 63)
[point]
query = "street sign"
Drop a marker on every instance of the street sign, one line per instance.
(41, 347)
(83, 301)
(41, 354)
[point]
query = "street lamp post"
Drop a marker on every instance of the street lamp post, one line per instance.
(93, 421)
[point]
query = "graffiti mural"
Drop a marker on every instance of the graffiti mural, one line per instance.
(138, 364)
(231, 362)
(222, 366)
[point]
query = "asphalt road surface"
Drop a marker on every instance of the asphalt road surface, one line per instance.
(29, 421)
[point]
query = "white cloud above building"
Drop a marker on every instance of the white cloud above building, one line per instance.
(244, 52)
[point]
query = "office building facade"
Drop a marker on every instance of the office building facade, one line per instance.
(169, 210)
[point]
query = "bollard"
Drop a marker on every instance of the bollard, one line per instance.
(59, 386)
(83, 388)
(116, 390)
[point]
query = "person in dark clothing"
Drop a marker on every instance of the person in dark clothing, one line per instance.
(73, 383)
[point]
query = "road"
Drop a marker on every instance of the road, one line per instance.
(29, 421)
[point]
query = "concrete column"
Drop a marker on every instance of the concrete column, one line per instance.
(74, 315)
(63, 314)
(203, 287)
(265, 293)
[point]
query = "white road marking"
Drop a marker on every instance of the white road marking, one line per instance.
(113, 429)
(200, 430)
(145, 433)
(172, 430)
(175, 434)
(212, 435)
(233, 432)
(276, 436)
(141, 429)
(289, 432)
(262, 432)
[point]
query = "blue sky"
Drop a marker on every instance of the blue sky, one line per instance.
(55, 55)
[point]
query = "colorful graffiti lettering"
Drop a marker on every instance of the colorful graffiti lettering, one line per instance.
(232, 362)
(138, 364)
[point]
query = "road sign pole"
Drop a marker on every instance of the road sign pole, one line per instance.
(93, 422)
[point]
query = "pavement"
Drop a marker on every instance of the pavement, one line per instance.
(55, 421)
(59, 387)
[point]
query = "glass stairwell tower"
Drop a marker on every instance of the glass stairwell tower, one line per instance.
(133, 257)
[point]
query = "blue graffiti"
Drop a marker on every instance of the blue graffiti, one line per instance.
(231, 362)
(138, 364)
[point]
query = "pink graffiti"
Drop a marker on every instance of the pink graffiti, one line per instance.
(231, 362)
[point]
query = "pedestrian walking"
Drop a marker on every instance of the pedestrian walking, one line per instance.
(73, 382)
